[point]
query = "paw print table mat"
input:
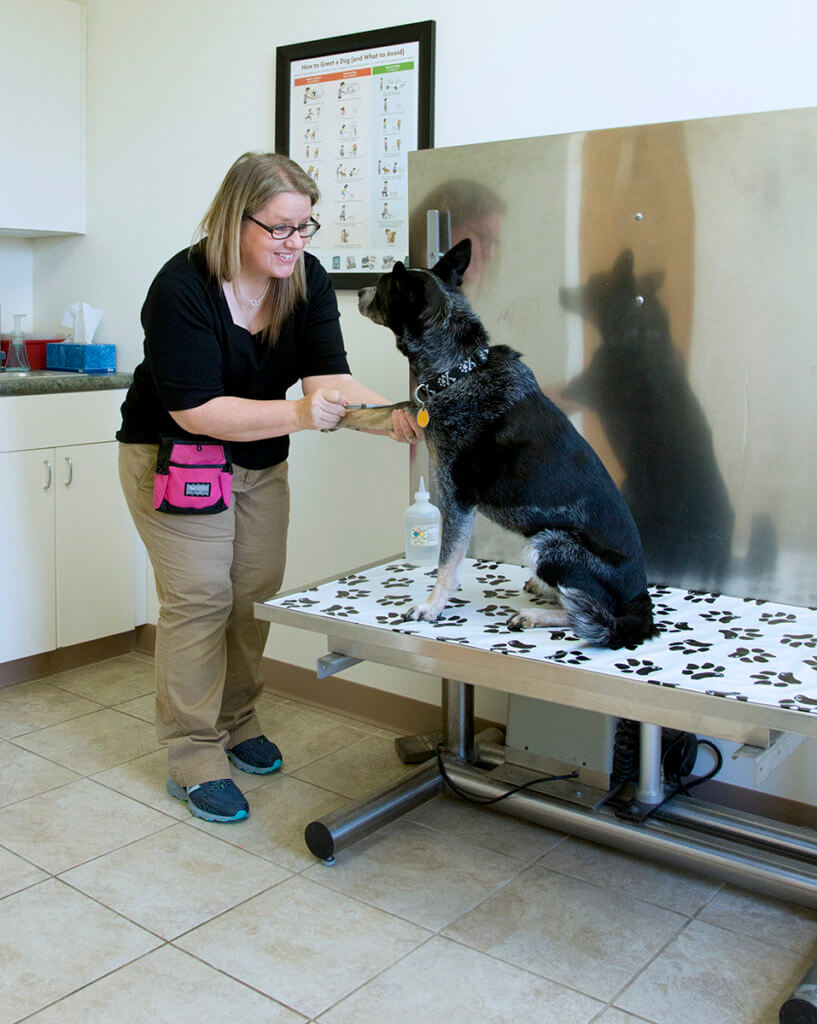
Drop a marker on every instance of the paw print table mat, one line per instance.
(740, 649)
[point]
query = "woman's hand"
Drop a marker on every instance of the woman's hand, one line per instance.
(321, 409)
(404, 427)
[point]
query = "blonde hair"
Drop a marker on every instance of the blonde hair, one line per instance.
(252, 181)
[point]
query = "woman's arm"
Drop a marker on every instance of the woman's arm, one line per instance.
(246, 419)
(404, 425)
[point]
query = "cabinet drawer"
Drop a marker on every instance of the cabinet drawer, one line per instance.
(46, 421)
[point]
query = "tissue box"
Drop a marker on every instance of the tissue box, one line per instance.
(81, 358)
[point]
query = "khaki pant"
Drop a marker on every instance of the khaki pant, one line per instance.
(209, 571)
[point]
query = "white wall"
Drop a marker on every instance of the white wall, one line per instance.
(178, 88)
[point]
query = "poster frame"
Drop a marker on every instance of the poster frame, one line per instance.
(421, 33)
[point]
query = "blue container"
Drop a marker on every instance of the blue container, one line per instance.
(80, 358)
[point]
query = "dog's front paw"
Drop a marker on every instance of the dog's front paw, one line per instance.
(426, 612)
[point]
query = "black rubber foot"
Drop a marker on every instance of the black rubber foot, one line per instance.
(798, 1011)
(319, 840)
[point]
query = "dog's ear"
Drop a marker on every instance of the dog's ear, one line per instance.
(451, 267)
(405, 288)
(623, 267)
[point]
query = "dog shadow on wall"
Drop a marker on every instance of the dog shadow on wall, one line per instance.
(637, 385)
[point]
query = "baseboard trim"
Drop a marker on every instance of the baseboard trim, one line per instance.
(63, 659)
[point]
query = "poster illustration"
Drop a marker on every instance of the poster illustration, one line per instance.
(352, 116)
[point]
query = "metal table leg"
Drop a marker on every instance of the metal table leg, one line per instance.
(345, 826)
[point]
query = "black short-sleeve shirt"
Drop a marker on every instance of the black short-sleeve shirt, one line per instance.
(194, 352)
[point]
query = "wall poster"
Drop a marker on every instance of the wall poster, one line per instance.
(348, 110)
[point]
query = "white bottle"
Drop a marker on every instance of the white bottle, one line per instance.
(422, 530)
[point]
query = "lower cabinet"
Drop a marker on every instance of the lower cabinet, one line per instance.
(67, 548)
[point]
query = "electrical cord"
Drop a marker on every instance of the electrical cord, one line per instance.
(684, 787)
(494, 799)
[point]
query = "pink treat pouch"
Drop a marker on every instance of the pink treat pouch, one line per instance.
(192, 477)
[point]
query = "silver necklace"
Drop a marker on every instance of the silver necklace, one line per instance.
(246, 298)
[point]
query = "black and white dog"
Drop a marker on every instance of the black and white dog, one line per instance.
(499, 445)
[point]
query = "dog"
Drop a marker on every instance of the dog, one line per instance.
(500, 446)
(637, 385)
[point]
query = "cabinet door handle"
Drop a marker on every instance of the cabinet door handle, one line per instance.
(47, 483)
(69, 465)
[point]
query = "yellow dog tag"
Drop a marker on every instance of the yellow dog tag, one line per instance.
(422, 418)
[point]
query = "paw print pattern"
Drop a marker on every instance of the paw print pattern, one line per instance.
(353, 579)
(701, 597)
(799, 640)
(567, 657)
(747, 633)
(690, 646)
(512, 647)
(396, 581)
(463, 641)
(352, 595)
(780, 618)
(500, 594)
(769, 678)
(394, 599)
(493, 580)
(340, 611)
(721, 615)
(637, 666)
(670, 626)
(449, 620)
(493, 611)
(707, 670)
(752, 654)
(391, 619)
(300, 602)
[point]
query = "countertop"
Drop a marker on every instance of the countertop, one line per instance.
(52, 382)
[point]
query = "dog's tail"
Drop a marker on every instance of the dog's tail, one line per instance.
(595, 624)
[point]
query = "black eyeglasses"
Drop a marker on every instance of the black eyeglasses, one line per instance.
(281, 231)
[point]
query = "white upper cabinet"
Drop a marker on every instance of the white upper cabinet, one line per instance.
(42, 117)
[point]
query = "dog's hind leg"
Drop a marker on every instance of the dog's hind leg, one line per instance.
(456, 534)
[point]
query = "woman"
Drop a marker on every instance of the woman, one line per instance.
(230, 324)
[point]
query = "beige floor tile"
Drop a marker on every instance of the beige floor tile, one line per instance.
(280, 810)
(174, 880)
(109, 682)
(421, 875)
(335, 716)
(669, 887)
(94, 742)
(35, 705)
(708, 974)
(763, 918)
(519, 839)
(356, 770)
(67, 826)
(303, 944)
(568, 930)
(145, 779)
(304, 735)
(166, 985)
(16, 873)
(23, 774)
(54, 940)
(442, 981)
(140, 707)
(614, 1016)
